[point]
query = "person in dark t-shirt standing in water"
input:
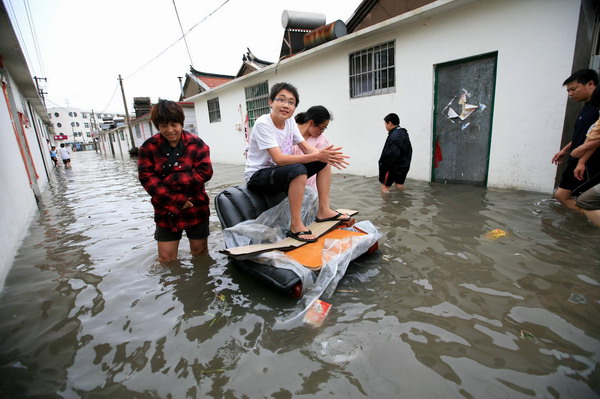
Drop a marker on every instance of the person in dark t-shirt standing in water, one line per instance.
(580, 87)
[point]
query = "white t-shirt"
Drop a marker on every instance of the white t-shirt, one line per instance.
(64, 153)
(264, 136)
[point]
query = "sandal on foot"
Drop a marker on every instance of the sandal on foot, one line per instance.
(298, 236)
(334, 218)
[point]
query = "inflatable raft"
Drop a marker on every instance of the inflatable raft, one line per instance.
(285, 264)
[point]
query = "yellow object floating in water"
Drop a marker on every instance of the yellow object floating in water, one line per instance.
(496, 233)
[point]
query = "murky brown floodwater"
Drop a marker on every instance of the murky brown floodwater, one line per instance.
(440, 311)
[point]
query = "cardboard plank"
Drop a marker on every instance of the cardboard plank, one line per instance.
(286, 244)
(311, 255)
(349, 212)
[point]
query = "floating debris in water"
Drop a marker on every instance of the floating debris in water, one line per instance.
(495, 234)
(317, 313)
(223, 299)
(578, 299)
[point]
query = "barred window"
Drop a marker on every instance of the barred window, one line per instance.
(138, 132)
(257, 101)
(214, 112)
(372, 71)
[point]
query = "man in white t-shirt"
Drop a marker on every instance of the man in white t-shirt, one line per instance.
(270, 167)
(65, 155)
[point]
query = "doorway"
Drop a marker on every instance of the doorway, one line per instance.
(462, 123)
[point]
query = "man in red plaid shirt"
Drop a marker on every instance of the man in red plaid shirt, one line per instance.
(173, 167)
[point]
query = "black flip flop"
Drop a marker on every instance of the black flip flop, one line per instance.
(297, 236)
(333, 218)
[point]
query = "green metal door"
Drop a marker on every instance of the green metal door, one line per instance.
(464, 99)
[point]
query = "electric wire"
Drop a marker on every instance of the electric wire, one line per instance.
(32, 27)
(18, 31)
(177, 41)
(183, 35)
(111, 98)
(34, 37)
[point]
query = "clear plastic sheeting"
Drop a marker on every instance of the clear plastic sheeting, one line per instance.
(337, 255)
(271, 225)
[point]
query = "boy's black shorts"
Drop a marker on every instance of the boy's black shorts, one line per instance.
(197, 232)
(277, 179)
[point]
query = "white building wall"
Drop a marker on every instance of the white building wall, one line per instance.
(227, 144)
(18, 202)
(534, 57)
(122, 141)
(189, 124)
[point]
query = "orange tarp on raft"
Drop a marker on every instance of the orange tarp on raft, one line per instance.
(310, 255)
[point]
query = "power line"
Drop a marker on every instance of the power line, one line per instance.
(176, 41)
(34, 36)
(56, 105)
(16, 22)
(184, 39)
(111, 98)
(38, 53)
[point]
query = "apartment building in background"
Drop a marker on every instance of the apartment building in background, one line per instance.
(78, 127)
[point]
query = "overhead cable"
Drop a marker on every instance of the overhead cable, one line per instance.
(176, 41)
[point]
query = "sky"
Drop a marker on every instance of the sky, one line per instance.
(82, 46)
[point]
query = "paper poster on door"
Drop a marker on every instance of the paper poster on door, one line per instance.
(466, 109)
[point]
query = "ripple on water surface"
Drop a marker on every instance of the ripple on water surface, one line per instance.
(443, 309)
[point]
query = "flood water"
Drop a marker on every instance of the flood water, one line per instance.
(442, 310)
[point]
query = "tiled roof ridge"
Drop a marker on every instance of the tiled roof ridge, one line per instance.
(210, 75)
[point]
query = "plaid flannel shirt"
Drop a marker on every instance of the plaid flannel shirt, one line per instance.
(185, 181)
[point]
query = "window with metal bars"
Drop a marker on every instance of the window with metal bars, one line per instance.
(372, 71)
(257, 101)
(214, 112)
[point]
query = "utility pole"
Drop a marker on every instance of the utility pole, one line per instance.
(94, 130)
(40, 91)
(180, 88)
(133, 147)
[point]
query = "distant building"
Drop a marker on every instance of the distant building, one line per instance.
(75, 125)
(199, 82)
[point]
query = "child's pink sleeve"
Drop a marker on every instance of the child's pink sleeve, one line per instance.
(322, 142)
